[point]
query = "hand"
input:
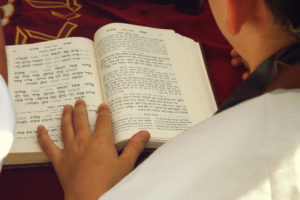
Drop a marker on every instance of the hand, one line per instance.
(89, 164)
(237, 61)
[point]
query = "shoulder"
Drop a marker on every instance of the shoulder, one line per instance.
(235, 154)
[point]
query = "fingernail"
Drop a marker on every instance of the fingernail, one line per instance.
(79, 101)
(144, 135)
(103, 107)
(67, 107)
(39, 130)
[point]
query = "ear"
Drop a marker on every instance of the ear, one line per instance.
(239, 11)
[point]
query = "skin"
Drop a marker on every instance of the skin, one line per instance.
(238, 61)
(250, 19)
(89, 164)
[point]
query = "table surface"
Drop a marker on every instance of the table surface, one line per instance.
(31, 21)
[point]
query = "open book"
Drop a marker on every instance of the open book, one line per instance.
(152, 79)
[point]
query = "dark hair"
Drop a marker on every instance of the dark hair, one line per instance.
(284, 10)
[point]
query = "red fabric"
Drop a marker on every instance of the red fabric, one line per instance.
(32, 22)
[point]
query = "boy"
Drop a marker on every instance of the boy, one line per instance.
(249, 150)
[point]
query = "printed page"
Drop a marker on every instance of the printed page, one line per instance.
(145, 82)
(43, 77)
(195, 69)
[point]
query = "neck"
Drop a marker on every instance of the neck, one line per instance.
(262, 36)
(287, 78)
(264, 48)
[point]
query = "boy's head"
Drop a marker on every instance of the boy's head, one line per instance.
(285, 10)
(249, 23)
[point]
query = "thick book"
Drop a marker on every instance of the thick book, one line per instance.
(152, 79)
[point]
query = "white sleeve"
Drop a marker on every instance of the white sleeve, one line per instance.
(7, 121)
(251, 151)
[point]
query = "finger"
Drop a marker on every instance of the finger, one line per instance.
(104, 122)
(47, 145)
(80, 118)
(67, 125)
(245, 75)
(135, 147)
(234, 53)
(236, 62)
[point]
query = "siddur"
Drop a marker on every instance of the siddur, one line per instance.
(152, 79)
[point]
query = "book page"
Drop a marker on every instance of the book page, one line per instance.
(43, 77)
(195, 69)
(145, 82)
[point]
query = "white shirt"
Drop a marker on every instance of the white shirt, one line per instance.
(250, 151)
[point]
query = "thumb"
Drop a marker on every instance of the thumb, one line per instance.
(135, 147)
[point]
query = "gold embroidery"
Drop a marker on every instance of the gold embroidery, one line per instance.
(70, 4)
(66, 17)
(21, 37)
(65, 31)
(39, 35)
(73, 5)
